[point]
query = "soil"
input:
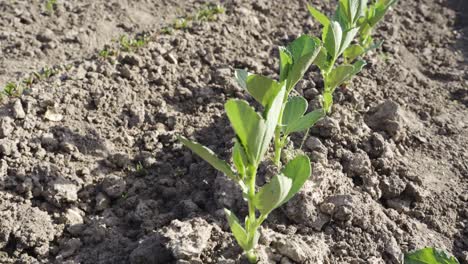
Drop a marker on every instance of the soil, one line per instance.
(91, 171)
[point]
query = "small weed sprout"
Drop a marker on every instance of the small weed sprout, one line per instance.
(12, 89)
(128, 45)
(50, 6)
(181, 24)
(210, 12)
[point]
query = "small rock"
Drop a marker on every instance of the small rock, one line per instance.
(357, 164)
(102, 202)
(151, 250)
(393, 251)
(126, 72)
(18, 111)
(132, 60)
(46, 35)
(120, 160)
(188, 239)
(170, 57)
(310, 249)
(314, 144)
(114, 186)
(391, 118)
(62, 191)
(73, 216)
(392, 187)
(6, 126)
(310, 93)
(327, 127)
(69, 248)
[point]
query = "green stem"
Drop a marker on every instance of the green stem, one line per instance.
(251, 227)
(278, 146)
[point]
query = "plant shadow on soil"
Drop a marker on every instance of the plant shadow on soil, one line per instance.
(461, 24)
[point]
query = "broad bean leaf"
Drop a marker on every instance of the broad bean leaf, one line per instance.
(254, 132)
(303, 51)
(319, 16)
(348, 36)
(429, 256)
(249, 126)
(262, 88)
(240, 159)
(327, 101)
(332, 36)
(237, 230)
(304, 122)
(210, 157)
(338, 76)
(293, 110)
(322, 60)
(286, 62)
(271, 195)
(353, 51)
(298, 170)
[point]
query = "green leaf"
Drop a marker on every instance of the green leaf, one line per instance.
(237, 230)
(272, 119)
(294, 109)
(210, 157)
(262, 88)
(286, 61)
(358, 66)
(240, 159)
(322, 60)
(429, 256)
(353, 51)
(332, 36)
(348, 36)
(304, 122)
(248, 125)
(272, 194)
(254, 132)
(298, 170)
(338, 76)
(303, 50)
(319, 16)
(327, 101)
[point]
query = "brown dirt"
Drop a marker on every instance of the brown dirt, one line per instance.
(109, 183)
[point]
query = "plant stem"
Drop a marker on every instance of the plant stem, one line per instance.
(278, 147)
(251, 225)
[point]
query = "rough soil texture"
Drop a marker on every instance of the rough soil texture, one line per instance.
(91, 171)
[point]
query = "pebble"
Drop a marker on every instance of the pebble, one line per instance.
(18, 111)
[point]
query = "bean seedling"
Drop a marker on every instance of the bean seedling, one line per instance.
(283, 115)
(254, 133)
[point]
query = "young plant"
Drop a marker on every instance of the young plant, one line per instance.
(429, 255)
(353, 18)
(254, 133)
(50, 5)
(12, 89)
(295, 59)
(210, 12)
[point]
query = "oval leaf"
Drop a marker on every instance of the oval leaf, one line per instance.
(305, 122)
(298, 170)
(303, 50)
(209, 156)
(429, 256)
(294, 109)
(248, 125)
(319, 16)
(262, 88)
(237, 230)
(332, 35)
(240, 159)
(338, 76)
(272, 194)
